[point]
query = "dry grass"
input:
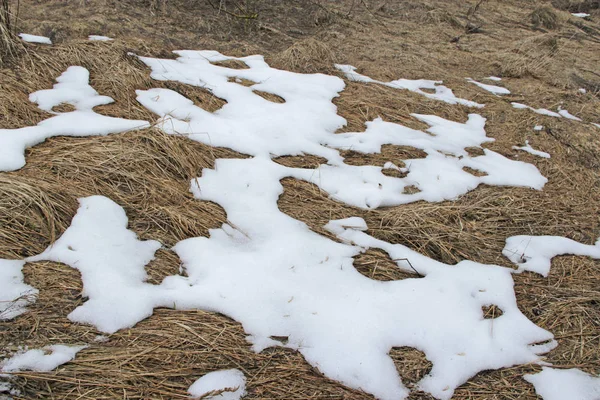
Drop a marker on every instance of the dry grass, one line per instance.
(545, 17)
(10, 45)
(148, 173)
(307, 56)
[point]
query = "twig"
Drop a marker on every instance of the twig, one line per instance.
(409, 263)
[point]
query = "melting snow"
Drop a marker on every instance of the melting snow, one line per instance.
(441, 92)
(531, 150)
(99, 38)
(542, 111)
(568, 115)
(107, 255)
(305, 124)
(14, 293)
(34, 38)
(71, 88)
(272, 273)
(42, 360)
(494, 78)
(580, 15)
(538, 127)
(534, 253)
(220, 385)
(561, 384)
(497, 90)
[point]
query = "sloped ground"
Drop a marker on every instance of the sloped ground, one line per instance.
(543, 58)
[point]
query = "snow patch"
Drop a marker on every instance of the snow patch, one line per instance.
(580, 15)
(531, 150)
(497, 90)
(541, 111)
(14, 293)
(568, 115)
(561, 384)
(34, 38)
(41, 360)
(72, 88)
(306, 124)
(107, 255)
(534, 253)
(100, 38)
(442, 93)
(227, 384)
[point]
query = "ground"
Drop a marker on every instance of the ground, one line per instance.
(541, 51)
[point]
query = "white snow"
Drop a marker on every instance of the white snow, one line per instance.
(497, 90)
(34, 38)
(14, 293)
(100, 38)
(561, 113)
(580, 15)
(534, 253)
(306, 124)
(220, 385)
(531, 150)
(568, 115)
(541, 111)
(582, 90)
(494, 78)
(538, 127)
(278, 278)
(596, 125)
(442, 93)
(561, 384)
(72, 88)
(41, 360)
(111, 261)
(272, 273)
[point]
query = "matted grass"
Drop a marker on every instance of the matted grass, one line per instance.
(148, 173)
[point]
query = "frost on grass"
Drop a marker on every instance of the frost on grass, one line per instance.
(527, 148)
(442, 92)
(535, 253)
(41, 360)
(72, 88)
(497, 90)
(561, 384)
(14, 293)
(220, 385)
(111, 261)
(26, 37)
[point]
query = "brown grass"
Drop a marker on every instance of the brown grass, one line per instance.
(545, 17)
(148, 173)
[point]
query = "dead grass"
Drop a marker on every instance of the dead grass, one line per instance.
(148, 173)
(10, 45)
(545, 17)
(307, 56)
